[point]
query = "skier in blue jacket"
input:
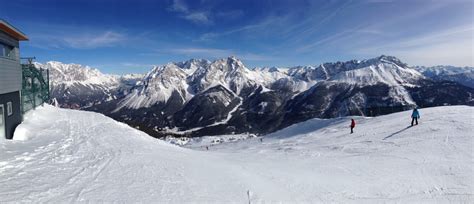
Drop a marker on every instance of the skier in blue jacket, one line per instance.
(414, 116)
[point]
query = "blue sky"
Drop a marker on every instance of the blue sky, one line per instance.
(131, 36)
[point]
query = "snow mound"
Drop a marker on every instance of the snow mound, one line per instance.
(65, 156)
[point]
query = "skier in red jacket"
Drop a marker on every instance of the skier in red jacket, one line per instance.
(353, 124)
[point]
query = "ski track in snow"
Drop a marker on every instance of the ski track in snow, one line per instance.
(225, 121)
(75, 156)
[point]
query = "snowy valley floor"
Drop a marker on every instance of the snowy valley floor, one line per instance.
(74, 156)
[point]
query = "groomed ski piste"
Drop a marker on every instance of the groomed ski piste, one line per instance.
(67, 156)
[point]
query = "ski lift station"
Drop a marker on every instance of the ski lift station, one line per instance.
(22, 86)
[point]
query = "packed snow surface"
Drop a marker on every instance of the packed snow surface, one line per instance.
(63, 156)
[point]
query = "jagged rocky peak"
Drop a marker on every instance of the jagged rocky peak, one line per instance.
(229, 72)
(192, 65)
(305, 73)
(358, 64)
(195, 63)
(159, 86)
(316, 73)
(384, 69)
(332, 68)
(78, 86)
(273, 69)
(336, 67)
(71, 73)
(165, 71)
(382, 59)
(229, 64)
(266, 69)
(162, 81)
(392, 59)
(220, 65)
(131, 79)
(187, 78)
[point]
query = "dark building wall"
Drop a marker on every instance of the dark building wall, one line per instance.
(10, 68)
(12, 121)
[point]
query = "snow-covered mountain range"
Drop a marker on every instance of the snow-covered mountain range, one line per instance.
(462, 75)
(202, 97)
(77, 86)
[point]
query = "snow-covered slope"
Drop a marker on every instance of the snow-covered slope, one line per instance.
(76, 156)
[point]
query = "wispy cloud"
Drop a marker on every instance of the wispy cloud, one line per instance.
(291, 27)
(446, 42)
(310, 46)
(342, 36)
(262, 25)
(454, 46)
(89, 40)
(315, 23)
(63, 36)
(233, 14)
(179, 6)
(197, 17)
(379, 1)
(463, 33)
